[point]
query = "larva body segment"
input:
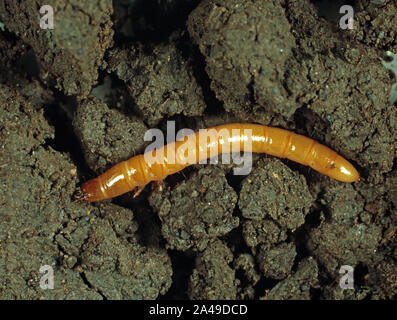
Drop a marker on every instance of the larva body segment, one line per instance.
(171, 158)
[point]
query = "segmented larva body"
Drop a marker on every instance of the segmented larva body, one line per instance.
(137, 172)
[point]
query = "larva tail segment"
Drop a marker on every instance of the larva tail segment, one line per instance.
(343, 170)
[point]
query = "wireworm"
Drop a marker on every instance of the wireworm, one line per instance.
(137, 171)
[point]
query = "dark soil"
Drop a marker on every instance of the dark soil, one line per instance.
(77, 99)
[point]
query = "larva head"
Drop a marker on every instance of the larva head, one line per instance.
(343, 170)
(91, 191)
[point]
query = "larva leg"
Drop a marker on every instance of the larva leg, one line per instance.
(157, 186)
(137, 191)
